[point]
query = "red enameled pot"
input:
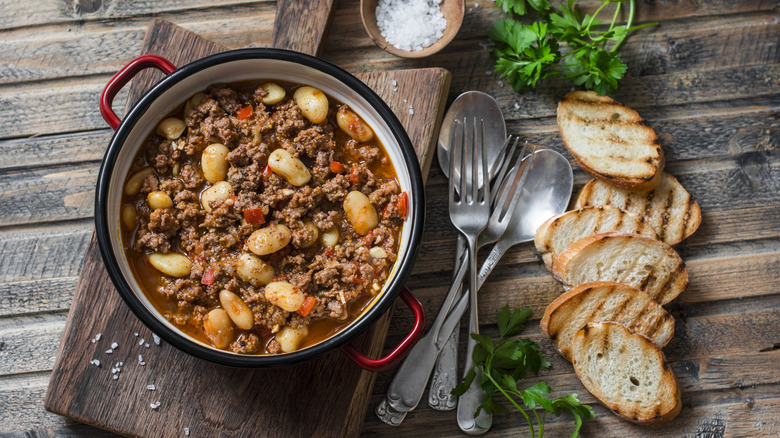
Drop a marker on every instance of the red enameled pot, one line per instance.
(239, 65)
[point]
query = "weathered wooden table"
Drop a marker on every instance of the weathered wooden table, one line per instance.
(707, 79)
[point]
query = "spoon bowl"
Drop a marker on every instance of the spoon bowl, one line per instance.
(453, 11)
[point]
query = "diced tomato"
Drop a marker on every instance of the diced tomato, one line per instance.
(280, 277)
(337, 167)
(208, 276)
(244, 112)
(354, 175)
(328, 252)
(307, 305)
(403, 205)
(267, 172)
(386, 211)
(254, 216)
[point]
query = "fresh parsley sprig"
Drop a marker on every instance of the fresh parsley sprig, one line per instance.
(528, 53)
(506, 362)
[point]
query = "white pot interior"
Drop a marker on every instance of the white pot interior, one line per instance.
(234, 71)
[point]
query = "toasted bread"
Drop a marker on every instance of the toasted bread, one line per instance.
(626, 372)
(647, 264)
(562, 230)
(610, 141)
(669, 208)
(605, 301)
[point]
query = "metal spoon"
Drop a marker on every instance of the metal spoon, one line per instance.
(468, 105)
(445, 375)
(546, 192)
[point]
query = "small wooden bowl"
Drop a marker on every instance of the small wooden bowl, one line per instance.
(453, 11)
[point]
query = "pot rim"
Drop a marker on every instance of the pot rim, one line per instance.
(341, 338)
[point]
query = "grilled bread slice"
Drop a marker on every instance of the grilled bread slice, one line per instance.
(647, 264)
(605, 301)
(562, 230)
(669, 208)
(610, 141)
(626, 372)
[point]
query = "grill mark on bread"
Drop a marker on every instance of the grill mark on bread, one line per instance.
(669, 282)
(665, 213)
(687, 215)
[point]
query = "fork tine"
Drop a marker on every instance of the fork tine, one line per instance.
(483, 159)
(464, 176)
(453, 153)
(506, 194)
(475, 165)
(519, 181)
(506, 158)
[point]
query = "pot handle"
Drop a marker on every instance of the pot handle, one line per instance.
(402, 349)
(122, 77)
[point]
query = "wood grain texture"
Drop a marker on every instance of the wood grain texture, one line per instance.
(342, 388)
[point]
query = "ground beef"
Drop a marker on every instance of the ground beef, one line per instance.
(215, 240)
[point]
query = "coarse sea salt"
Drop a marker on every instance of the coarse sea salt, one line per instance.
(410, 24)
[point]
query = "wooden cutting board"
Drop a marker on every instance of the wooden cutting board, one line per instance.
(324, 397)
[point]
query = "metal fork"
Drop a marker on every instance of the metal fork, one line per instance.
(469, 213)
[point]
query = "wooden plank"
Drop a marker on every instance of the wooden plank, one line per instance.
(43, 12)
(61, 51)
(43, 252)
(29, 343)
(34, 296)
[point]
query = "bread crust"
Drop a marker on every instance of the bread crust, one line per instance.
(654, 322)
(598, 219)
(667, 292)
(602, 104)
(651, 352)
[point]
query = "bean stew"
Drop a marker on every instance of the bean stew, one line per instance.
(262, 217)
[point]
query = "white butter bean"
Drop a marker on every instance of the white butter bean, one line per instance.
(274, 93)
(136, 181)
(159, 199)
(268, 240)
(330, 237)
(171, 128)
(353, 125)
(218, 192)
(377, 252)
(173, 264)
(284, 295)
(360, 213)
(313, 103)
(288, 167)
(289, 338)
(218, 328)
(237, 310)
(253, 270)
(129, 219)
(214, 162)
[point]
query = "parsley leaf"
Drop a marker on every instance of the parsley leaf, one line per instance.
(505, 362)
(528, 53)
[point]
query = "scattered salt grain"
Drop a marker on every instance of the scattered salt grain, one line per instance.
(95, 362)
(114, 345)
(146, 345)
(411, 110)
(154, 405)
(136, 334)
(141, 342)
(500, 83)
(488, 72)
(116, 376)
(186, 431)
(395, 83)
(410, 24)
(156, 339)
(141, 360)
(151, 387)
(476, 5)
(109, 351)
(405, 101)
(96, 338)
(516, 106)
